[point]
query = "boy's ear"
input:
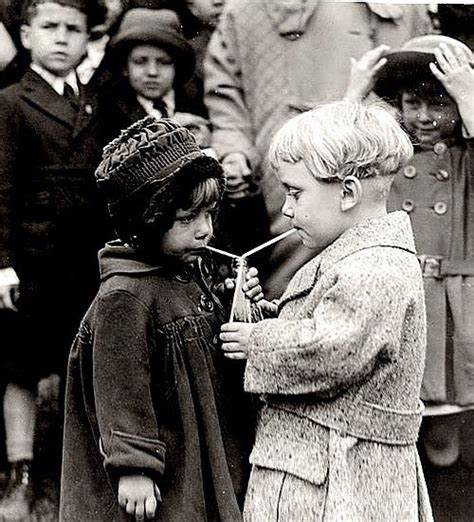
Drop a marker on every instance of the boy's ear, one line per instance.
(25, 31)
(351, 193)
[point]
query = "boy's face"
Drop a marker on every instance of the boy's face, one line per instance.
(189, 235)
(431, 119)
(150, 71)
(312, 206)
(56, 37)
(208, 11)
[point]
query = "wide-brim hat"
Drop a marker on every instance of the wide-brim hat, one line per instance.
(409, 65)
(160, 27)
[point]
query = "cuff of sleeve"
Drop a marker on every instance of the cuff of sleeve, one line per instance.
(8, 277)
(132, 452)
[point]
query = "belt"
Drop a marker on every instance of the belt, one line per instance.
(439, 267)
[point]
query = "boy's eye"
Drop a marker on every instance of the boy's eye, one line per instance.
(293, 193)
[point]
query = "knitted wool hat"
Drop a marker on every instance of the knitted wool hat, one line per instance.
(410, 64)
(148, 154)
(160, 27)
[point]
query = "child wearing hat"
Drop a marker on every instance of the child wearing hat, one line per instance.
(340, 368)
(51, 219)
(430, 80)
(152, 62)
(156, 422)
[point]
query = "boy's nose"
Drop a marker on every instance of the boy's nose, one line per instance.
(286, 210)
(153, 68)
(61, 34)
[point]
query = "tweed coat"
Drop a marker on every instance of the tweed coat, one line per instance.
(437, 191)
(340, 372)
(261, 69)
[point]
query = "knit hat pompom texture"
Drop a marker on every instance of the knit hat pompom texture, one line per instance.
(148, 153)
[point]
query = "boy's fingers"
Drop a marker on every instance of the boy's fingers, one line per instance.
(230, 327)
(440, 58)
(380, 64)
(130, 507)
(237, 356)
(252, 272)
(150, 507)
(449, 55)
(231, 347)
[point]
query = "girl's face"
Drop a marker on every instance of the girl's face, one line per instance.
(208, 11)
(189, 235)
(429, 119)
(150, 71)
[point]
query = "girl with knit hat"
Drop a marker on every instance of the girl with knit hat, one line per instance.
(431, 81)
(156, 423)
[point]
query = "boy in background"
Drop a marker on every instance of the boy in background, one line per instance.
(52, 222)
(340, 368)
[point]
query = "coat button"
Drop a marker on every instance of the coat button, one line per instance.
(409, 171)
(408, 205)
(440, 148)
(440, 208)
(206, 304)
(442, 175)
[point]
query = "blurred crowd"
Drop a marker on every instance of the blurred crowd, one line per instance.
(231, 72)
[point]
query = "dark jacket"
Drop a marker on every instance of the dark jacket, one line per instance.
(149, 391)
(49, 204)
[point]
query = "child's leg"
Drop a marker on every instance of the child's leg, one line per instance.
(19, 411)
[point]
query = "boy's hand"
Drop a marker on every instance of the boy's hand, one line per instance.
(235, 337)
(456, 74)
(251, 287)
(237, 174)
(364, 71)
(139, 496)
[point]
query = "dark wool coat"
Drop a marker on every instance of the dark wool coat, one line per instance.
(51, 219)
(149, 391)
(437, 191)
(340, 371)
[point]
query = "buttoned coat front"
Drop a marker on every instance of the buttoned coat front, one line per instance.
(437, 191)
(340, 372)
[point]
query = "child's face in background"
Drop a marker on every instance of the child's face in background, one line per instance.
(429, 118)
(150, 71)
(312, 206)
(189, 235)
(208, 11)
(56, 37)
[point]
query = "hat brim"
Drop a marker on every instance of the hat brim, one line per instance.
(180, 50)
(403, 69)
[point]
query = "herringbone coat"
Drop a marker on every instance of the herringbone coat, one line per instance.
(340, 371)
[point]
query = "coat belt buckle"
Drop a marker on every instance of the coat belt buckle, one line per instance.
(431, 266)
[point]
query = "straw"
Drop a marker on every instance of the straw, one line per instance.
(222, 252)
(268, 243)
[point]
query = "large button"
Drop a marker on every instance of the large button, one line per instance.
(442, 175)
(440, 148)
(408, 205)
(440, 208)
(206, 304)
(409, 171)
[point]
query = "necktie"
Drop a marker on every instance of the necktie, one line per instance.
(160, 105)
(70, 96)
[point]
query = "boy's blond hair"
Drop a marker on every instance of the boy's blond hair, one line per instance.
(343, 138)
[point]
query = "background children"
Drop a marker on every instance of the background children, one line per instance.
(154, 412)
(431, 81)
(51, 221)
(153, 59)
(341, 366)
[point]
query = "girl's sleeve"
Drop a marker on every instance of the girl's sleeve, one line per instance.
(358, 320)
(129, 430)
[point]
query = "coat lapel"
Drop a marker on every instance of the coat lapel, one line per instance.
(38, 93)
(88, 108)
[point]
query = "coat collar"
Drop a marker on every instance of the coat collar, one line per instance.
(392, 230)
(37, 92)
